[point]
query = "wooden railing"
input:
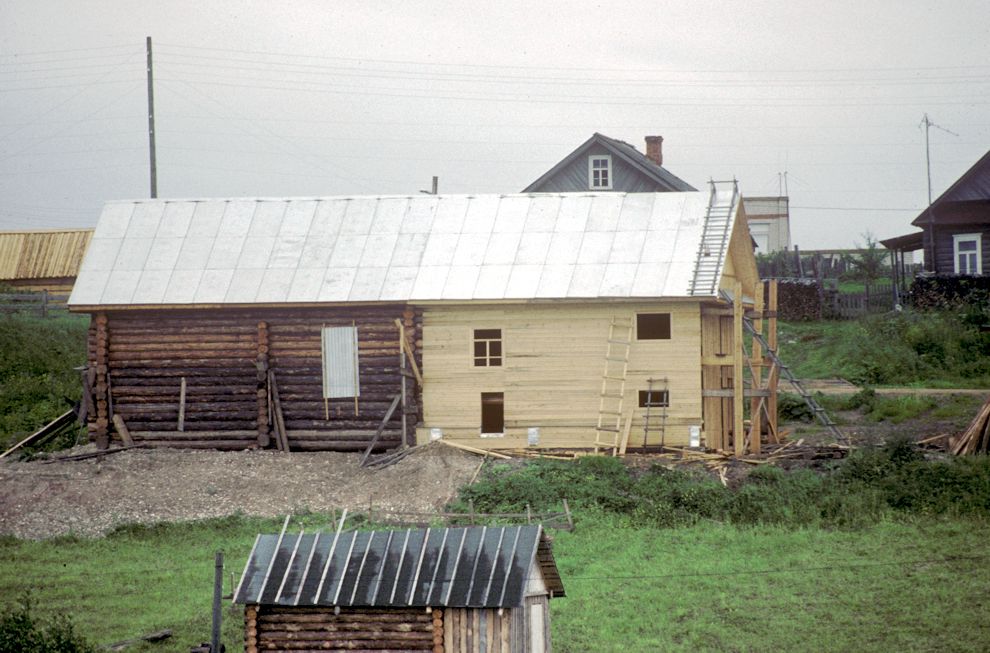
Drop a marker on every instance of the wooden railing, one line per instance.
(43, 303)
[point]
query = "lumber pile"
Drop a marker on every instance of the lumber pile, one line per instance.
(976, 438)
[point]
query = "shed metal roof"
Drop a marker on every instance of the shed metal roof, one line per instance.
(476, 567)
(393, 248)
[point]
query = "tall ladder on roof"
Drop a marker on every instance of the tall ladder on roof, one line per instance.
(809, 399)
(714, 237)
(656, 399)
(609, 426)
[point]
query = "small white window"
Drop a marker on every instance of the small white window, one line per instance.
(967, 253)
(600, 172)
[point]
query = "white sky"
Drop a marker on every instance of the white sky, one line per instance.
(306, 98)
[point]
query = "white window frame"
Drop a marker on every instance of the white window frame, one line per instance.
(958, 239)
(607, 158)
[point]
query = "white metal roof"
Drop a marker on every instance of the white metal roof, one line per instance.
(410, 248)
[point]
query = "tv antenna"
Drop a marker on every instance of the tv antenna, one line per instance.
(927, 122)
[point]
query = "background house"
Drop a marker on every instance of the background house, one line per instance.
(769, 223)
(42, 260)
(460, 590)
(606, 164)
(955, 229)
(237, 311)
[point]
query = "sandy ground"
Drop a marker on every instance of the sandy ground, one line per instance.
(90, 497)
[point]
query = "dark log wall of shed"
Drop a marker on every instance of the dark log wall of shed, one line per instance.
(945, 244)
(148, 353)
(354, 629)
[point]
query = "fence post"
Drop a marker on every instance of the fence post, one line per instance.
(44, 303)
(217, 594)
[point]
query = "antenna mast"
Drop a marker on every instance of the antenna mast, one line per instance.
(151, 123)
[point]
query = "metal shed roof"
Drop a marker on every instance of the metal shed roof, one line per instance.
(405, 248)
(477, 567)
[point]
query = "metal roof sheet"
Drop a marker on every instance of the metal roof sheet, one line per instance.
(369, 249)
(477, 567)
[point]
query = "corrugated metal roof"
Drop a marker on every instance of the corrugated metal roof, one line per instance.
(42, 254)
(370, 249)
(478, 567)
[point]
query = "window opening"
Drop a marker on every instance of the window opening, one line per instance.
(487, 347)
(654, 398)
(600, 172)
(653, 326)
(492, 413)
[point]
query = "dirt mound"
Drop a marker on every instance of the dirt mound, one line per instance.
(90, 497)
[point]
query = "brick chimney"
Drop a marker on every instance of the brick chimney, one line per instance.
(654, 149)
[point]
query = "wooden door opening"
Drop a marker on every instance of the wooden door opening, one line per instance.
(492, 413)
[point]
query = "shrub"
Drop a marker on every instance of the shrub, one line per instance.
(22, 632)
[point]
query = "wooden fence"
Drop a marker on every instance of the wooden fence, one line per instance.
(42, 303)
(880, 299)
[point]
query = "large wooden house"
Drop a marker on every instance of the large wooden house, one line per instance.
(454, 590)
(548, 320)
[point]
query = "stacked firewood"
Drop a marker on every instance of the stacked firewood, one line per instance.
(976, 438)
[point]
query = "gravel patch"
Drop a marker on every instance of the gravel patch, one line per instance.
(90, 497)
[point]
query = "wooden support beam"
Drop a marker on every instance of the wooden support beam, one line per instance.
(738, 432)
(181, 426)
(122, 431)
(409, 353)
(774, 376)
(756, 374)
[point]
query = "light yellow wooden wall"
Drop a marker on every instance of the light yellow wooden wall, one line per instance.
(552, 371)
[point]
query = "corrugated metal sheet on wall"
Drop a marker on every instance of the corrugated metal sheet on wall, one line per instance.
(340, 362)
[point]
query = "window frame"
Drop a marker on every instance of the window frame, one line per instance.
(959, 239)
(670, 327)
(592, 158)
(488, 358)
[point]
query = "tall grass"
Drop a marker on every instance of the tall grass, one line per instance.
(37, 380)
(935, 348)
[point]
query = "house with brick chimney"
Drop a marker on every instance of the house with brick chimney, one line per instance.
(607, 164)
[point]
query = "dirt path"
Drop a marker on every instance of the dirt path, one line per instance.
(90, 497)
(841, 387)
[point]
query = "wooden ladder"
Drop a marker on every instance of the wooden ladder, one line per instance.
(609, 426)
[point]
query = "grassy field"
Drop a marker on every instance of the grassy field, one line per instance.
(932, 349)
(916, 586)
(37, 380)
(885, 553)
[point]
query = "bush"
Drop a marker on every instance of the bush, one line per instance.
(22, 632)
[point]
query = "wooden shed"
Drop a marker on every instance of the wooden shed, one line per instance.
(447, 590)
(571, 320)
(42, 260)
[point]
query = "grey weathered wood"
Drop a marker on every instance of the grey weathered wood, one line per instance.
(381, 427)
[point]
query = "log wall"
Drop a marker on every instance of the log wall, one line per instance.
(355, 630)
(224, 355)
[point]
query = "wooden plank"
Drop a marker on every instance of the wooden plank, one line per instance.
(281, 438)
(381, 427)
(482, 452)
(182, 405)
(627, 427)
(738, 431)
(756, 373)
(122, 431)
(409, 353)
(44, 432)
(774, 373)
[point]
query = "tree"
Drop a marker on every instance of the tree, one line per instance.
(870, 265)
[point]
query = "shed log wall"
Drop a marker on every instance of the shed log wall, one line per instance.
(221, 355)
(551, 376)
(312, 629)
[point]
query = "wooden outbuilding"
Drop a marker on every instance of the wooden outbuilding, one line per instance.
(42, 260)
(571, 320)
(447, 590)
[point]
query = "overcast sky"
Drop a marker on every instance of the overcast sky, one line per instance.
(308, 98)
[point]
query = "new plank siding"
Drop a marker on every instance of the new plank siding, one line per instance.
(553, 358)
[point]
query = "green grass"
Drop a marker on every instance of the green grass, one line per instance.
(37, 357)
(897, 585)
(930, 349)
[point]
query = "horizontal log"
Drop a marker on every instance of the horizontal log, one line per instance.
(225, 445)
(165, 339)
(161, 435)
(396, 638)
(195, 426)
(334, 445)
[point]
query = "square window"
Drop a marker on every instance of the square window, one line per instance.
(600, 172)
(487, 347)
(654, 398)
(653, 326)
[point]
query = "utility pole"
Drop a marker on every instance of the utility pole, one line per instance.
(151, 123)
(436, 185)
